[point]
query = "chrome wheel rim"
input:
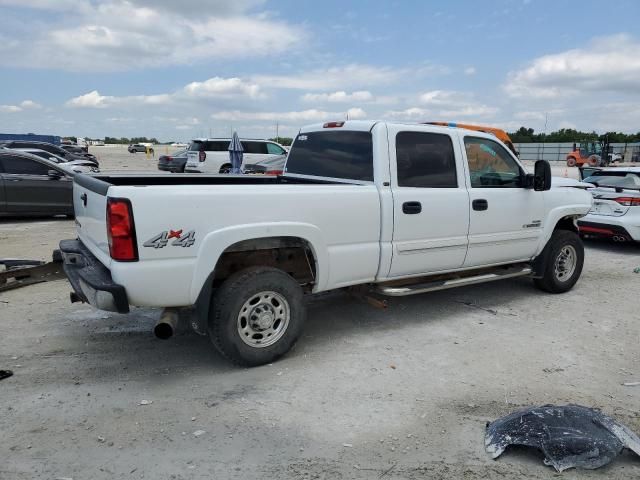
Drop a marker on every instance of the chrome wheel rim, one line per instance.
(565, 263)
(263, 319)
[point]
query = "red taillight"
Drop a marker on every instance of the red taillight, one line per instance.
(273, 172)
(121, 230)
(333, 124)
(202, 156)
(168, 158)
(628, 201)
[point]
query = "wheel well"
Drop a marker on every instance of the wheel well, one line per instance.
(292, 255)
(567, 223)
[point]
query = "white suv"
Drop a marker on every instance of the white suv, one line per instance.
(211, 155)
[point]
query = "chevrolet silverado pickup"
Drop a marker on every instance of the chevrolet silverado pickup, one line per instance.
(397, 208)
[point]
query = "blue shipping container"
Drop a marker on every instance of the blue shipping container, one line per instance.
(30, 137)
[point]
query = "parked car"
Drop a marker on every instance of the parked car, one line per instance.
(48, 147)
(74, 166)
(211, 155)
(615, 212)
(138, 147)
(84, 151)
(174, 162)
(270, 166)
(397, 208)
(33, 186)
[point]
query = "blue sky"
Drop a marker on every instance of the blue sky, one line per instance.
(175, 70)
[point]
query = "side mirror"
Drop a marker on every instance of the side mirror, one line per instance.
(54, 174)
(542, 176)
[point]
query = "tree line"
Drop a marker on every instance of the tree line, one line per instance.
(566, 135)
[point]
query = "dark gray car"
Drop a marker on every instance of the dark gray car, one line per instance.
(174, 162)
(48, 147)
(33, 186)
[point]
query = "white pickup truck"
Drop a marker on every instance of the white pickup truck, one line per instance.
(398, 208)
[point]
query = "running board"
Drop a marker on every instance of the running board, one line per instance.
(415, 288)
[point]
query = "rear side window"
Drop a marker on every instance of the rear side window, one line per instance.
(274, 149)
(425, 160)
(23, 166)
(334, 154)
(209, 146)
(254, 147)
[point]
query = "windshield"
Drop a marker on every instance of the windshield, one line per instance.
(615, 179)
(334, 154)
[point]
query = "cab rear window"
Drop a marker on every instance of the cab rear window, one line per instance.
(334, 154)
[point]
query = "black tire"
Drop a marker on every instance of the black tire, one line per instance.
(557, 280)
(226, 168)
(225, 315)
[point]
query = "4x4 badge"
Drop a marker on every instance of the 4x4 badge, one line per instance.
(162, 239)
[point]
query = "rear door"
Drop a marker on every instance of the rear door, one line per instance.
(430, 201)
(30, 189)
(506, 218)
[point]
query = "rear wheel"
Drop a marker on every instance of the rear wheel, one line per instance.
(226, 168)
(565, 258)
(594, 161)
(571, 162)
(256, 316)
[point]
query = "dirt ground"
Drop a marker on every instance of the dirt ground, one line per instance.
(398, 393)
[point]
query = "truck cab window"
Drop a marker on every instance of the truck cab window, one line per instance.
(490, 165)
(425, 160)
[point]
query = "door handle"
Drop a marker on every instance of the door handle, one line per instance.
(83, 197)
(480, 204)
(411, 208)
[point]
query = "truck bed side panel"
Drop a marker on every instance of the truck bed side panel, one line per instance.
(341, 223)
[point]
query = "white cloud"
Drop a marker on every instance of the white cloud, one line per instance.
(217, 87)
(409, 114)
(122, 35)
(453, 105)
(354, 75)
(310, 115)
(92, 99)
(608, 64)
(10, 108)
(339, 97)
(470, 71)
(27, 104)
(213, 88)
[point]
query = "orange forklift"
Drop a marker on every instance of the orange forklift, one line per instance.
(594, 154)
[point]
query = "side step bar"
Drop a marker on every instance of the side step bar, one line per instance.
(442, 284)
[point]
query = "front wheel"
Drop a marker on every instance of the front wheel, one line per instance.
(226, 168)
(256, 316)
(564, 261)
(571, 162)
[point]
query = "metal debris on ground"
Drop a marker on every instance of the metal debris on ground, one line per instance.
(145, 402)
(5, 374)
(631, 384)
(20, 273)
(569, 436)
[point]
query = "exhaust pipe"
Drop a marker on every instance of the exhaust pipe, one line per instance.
(619, 238)
(167, 323)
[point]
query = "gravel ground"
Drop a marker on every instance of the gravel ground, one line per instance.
(398, 393)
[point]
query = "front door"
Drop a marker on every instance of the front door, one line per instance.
(506, 218)
(29, 188)
(430, 201)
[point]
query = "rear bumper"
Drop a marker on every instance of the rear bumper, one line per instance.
(90, 279)
(600, 226)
